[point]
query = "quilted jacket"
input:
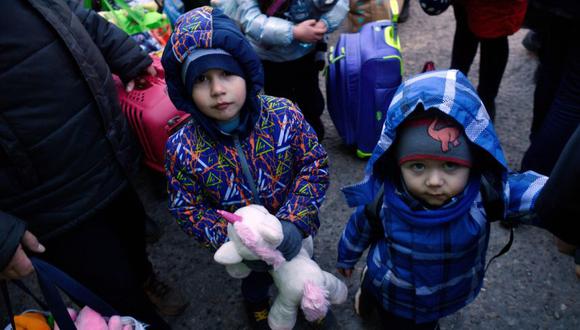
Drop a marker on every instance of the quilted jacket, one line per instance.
(272, 36)
(429, 263)
(65, 146)
(276, 161)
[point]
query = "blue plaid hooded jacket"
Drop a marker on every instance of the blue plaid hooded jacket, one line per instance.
(430, 263)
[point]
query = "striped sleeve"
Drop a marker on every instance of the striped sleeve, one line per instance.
(355, 239)
(524, 189)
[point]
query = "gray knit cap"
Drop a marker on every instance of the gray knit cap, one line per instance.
(434, 137)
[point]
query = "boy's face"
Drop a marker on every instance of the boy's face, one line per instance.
(219, 94)
(434, 181)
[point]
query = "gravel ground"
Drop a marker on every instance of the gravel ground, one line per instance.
(532, 287)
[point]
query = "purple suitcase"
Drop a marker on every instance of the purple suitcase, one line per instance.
(365, 69)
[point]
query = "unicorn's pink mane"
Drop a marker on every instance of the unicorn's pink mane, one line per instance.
(269, 255)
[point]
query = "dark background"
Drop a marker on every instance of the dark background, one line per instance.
(532, 287)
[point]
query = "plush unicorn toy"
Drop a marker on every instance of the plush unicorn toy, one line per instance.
(254, 235)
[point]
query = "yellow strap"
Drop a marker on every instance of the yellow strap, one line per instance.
(394, 10)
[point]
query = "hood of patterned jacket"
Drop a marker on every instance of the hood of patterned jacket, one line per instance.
(452, 93)
(209, 27)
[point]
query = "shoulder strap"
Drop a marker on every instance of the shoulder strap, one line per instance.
(503, 250)
(494, 206)
(372, 213)
(492, 198)
(50, 279)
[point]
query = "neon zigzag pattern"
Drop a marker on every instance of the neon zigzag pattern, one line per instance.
(275, 152)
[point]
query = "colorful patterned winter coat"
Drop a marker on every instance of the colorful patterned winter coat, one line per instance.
(274, 160)
(430, 263)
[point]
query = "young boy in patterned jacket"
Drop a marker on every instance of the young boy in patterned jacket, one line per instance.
(437, 152)
(241, 147)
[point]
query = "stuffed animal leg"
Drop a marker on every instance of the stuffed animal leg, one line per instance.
(254, 235)
(301, 282)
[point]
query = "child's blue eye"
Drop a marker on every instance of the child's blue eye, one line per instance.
(449, 166)
(417, 166)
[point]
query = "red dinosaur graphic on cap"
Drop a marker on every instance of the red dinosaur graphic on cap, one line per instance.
(447, 133)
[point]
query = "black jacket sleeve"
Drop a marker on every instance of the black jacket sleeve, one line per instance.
(123, 54)
(558, 204)
(11, 231)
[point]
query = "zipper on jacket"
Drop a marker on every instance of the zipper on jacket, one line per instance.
(246, 171)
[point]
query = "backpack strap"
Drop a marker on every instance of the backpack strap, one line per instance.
(372, 212)
(503, 250)
(492, 198)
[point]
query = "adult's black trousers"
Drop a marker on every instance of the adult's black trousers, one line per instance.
(107, 254)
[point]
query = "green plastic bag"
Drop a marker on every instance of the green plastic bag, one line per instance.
(135, 19)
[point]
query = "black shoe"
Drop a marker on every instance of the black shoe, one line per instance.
(258, 314)
(327, 323)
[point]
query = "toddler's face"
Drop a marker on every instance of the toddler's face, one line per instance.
(219, 94)
(434, 181)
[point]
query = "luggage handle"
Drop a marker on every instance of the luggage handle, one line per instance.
(176, 122)
(394, 5)
(332, 59)
(392, 38)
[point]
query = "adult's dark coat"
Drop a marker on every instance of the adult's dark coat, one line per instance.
(65, 148)
(558, 203)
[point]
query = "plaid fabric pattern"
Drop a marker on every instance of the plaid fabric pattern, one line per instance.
(427, 272)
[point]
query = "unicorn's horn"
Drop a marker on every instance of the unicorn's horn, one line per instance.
(230, 217)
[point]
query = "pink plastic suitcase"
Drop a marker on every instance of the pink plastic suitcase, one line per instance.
(151, 115)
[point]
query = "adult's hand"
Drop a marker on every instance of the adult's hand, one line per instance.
(309, 31)
(150, 71)
(20, 265)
